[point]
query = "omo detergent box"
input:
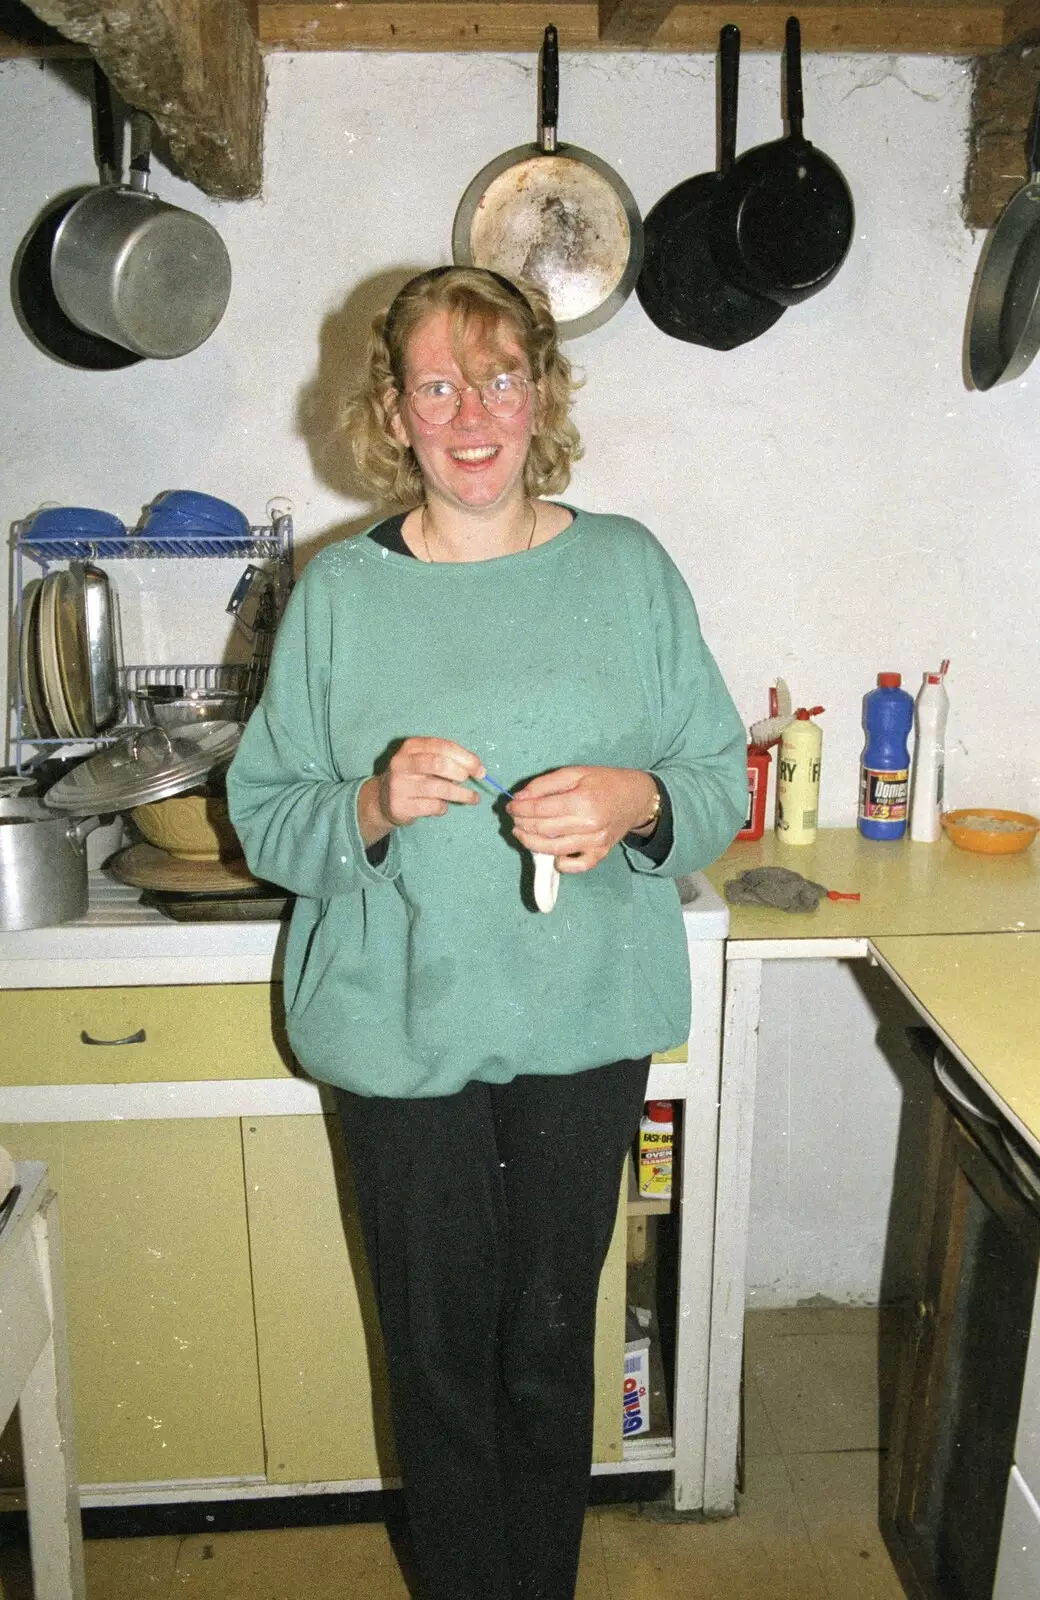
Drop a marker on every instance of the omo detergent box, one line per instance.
(636, 1394)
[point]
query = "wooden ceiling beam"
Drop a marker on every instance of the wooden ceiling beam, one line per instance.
(632, 22)
(194, 67)
(940, 27)
(1003, 97)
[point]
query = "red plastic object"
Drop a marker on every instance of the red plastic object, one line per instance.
(758, 759)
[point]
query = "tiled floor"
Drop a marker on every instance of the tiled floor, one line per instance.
(806, 1531)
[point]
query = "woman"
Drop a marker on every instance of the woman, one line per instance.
(491, 1062)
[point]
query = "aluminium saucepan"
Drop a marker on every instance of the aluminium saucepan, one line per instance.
(130, 268)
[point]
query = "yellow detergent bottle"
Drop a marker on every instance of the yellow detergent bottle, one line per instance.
(798, 778)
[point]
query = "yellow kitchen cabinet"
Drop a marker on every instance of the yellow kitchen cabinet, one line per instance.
(322, 1371)
(180, 1032)
(158, 1294)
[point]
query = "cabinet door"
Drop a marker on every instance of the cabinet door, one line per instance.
(322, 1368)
(961, 1386)
(158, 1296)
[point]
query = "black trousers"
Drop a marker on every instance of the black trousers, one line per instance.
(486, 1217)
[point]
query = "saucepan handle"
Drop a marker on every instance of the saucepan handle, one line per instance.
(77, 831)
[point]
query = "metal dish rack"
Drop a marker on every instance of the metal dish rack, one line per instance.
(270, 545)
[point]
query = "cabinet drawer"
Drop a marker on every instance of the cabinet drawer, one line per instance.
(190, 1031)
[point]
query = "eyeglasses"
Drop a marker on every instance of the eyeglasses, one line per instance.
(505, 395)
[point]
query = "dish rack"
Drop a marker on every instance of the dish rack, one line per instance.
(267, 548)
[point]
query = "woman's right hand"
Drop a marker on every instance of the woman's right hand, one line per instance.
(423, 777)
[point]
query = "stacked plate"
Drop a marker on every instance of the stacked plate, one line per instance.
(67, 654)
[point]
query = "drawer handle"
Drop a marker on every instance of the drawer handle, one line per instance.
(132, 1038)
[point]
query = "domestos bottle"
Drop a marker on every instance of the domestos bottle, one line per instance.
(798, 778)
(926, 782)
(884, 778)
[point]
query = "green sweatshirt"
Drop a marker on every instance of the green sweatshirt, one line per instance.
(433, 968)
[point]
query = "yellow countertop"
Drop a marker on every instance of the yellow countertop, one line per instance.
(905, 888)
(982, 993)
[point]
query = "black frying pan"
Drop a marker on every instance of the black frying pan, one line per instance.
(680, 287)
(1004, 320)
(36, 304)
(784, 221)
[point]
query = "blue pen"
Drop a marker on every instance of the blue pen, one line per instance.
(546, 873)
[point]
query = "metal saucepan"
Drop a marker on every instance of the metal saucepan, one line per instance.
(43, 865)
(680, 287)
(1004, 317)
(132, 269)
(783, 223)
(557, 216)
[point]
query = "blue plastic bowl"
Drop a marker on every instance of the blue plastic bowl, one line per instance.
(190, 506)
(75, 522)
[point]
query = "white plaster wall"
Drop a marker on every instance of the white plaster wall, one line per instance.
(840, 1126)
(837, 498)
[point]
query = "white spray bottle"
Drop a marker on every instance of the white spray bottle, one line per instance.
(931, 709)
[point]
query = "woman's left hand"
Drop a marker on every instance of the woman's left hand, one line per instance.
(578, 814)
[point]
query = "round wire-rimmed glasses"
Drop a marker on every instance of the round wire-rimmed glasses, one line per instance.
(504, 395)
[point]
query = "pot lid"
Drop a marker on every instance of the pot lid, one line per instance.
(150, 764)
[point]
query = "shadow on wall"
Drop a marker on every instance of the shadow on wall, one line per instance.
(343, 342)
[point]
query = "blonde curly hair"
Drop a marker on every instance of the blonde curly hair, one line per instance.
(488, 310)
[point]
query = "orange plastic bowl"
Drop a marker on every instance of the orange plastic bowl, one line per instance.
(991, 841)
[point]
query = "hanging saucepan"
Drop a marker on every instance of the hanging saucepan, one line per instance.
(557, 216)
(680, 288)
(131, 268)
(1004, 319)
(784, 219)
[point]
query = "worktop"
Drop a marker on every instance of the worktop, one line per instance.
(120, 941)
(905, 889)
(982, 996)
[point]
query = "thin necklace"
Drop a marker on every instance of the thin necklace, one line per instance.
(426, 542)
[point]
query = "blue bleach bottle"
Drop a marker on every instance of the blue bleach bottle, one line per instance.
(884, 775)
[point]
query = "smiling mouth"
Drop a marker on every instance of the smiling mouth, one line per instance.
(476, 453)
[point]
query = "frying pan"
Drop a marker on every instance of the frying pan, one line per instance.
(1004, 321)
(784, 220)
(680, 288)
(557, 216)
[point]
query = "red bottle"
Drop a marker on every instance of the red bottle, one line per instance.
(758, 759)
